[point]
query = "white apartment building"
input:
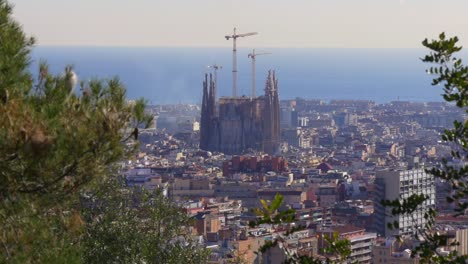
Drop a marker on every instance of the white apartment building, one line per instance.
(400, 184)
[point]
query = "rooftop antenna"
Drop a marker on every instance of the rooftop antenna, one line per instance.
(253, 56)
(234, 37)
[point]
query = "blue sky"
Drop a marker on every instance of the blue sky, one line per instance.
(201, 23)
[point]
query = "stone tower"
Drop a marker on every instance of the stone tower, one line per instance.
(271, 115)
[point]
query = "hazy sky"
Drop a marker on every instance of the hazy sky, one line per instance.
(281, 23)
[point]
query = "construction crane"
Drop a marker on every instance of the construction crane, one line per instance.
(253, 56)
(234, 37)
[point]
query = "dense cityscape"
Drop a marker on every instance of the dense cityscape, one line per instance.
(90, 173)
(333, 164)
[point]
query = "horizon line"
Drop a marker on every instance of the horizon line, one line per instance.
(211, 47)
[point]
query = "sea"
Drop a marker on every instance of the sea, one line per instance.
(175, 75)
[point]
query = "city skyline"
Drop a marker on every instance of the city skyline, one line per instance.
(148, 132)
(302, 24)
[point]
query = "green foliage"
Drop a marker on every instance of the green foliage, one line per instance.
(293, 229)
(15, 48)
(269, 244)
(53, 144)
(135, 225)
(341, 248)
(337, 250)
(304, 260)
(453, 76)
(57, 143)
(269, 212)
(407, 206)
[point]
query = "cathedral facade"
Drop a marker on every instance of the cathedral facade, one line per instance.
(237, 124)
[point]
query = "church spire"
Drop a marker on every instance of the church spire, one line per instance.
(205, 116)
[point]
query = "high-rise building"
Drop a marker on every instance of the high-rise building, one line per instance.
(400, 184)
(292, 136)
(294, 118)
(286, 116)
(303, 121)
(241, 122)
(345, 119)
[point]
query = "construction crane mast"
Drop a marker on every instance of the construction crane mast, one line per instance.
(215, 67)
(253, 56)
(234, 37)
